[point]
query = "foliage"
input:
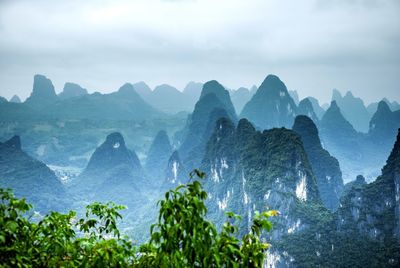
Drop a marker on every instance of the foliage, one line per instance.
(181, 237)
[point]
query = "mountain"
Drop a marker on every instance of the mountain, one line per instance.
(306, 108)
(114, 173)
(271, 106)
(213, 87)
(3, 100)
(15, 99)
(192, 92)
(158, 156)
(43, 93)
(175, 172)
(335, 126)
(170, 100)
(125, 104)
(373, 107)
(319, 111)
(372, 211)
(353, 110)
(325, 167)
(295, 96)
(384, 124)
(30, 178)
(250, 171)
(240, 97)
(143, 90)
(72, 90)
(214, 101)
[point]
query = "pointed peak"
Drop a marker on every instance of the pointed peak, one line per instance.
(273, 82)
(304, 120)
(15, 99)
(306, 127)
(116, 140)
(43, 89)
(213, 86)
(14, 142)
(245, 124)
(72, 90)
(349, 94)
(360, 180)
(383, 106)
(126, 87)
(142, 87)
(334, 105)
(161, 139)
(336, 95)
(193, 86)
(306, 103)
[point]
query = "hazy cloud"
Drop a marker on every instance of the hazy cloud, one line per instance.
(313, 46)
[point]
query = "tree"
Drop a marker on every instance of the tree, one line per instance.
(182, 237)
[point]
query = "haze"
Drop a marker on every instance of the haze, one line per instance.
(314, 46)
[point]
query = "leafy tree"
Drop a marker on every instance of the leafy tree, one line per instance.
(182, 237)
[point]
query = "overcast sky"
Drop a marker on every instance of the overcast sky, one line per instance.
(313, 46)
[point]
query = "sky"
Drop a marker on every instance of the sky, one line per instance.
(313, 46)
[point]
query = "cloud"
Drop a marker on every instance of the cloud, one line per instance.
(313, 45)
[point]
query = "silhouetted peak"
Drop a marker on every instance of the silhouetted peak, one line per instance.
(15, 99)
(245, 125)
(215, 87)
(72, 90)
(14, 142)
(193, 87)
(383, 107)
(336, 95)
(272, 82)
(165, 88)
(305, 104)
(334, 106)
(305, 126)
(349, 94)
(360, 180)
(43, 89)
(115, 140)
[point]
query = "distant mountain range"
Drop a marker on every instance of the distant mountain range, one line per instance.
(261, 149)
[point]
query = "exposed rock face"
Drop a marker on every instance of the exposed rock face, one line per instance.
(271, 106)
(249, 170)
(30, 178)
(43, 93)
(306, 108)
(373, 210)
(72, 90)
(15, 99)
(175, 172)
(158, 155)
(325, 167)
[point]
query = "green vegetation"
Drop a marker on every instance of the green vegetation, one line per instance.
(181, 237)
